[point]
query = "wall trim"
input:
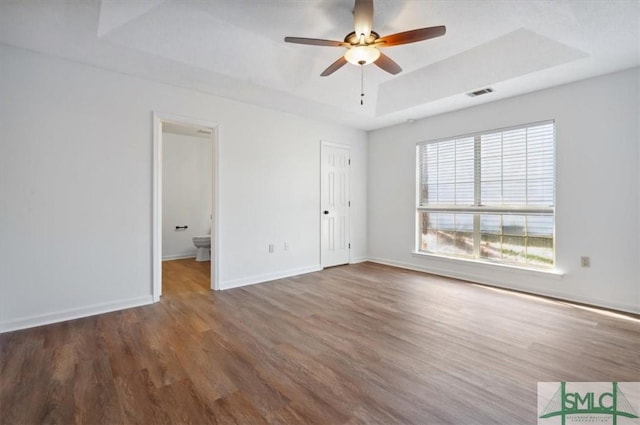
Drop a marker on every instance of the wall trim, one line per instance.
(335, 145)
(358, 260)
(252, 280)
(628, 308)
(73, 313)
(178, 257)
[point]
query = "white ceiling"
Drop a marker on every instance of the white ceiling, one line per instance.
(235, 49)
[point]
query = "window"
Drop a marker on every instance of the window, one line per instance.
(489, 196)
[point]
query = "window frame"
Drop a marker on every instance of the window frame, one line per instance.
(477, 209)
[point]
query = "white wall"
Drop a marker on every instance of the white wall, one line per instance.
(186, 193)
(76, 187)
(597, 189)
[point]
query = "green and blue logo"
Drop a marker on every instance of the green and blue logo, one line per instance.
(588, 402)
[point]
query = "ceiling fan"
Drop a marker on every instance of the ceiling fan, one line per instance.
(363, 44)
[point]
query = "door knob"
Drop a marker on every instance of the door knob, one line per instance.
(326, 212)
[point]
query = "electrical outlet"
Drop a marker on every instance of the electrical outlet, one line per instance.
(286, 246)
(585, 261)
(271, 248)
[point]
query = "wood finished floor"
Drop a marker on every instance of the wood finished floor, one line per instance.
(359, 344)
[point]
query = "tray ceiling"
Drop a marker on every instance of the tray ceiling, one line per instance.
(235, 49)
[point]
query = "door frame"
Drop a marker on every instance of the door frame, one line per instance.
(156, 251)
(348, 148)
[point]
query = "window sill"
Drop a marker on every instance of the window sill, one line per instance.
(552, 273)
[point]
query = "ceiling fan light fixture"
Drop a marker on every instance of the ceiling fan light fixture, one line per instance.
(362, 43)
(362, 55)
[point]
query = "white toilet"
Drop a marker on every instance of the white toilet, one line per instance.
(203, 243)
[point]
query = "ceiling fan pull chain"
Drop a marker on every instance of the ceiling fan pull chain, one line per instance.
(361, 84)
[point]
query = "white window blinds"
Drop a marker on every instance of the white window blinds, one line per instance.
(490, 195)
(448, 172)
(517, 166)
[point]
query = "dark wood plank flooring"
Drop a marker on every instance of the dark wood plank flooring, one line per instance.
(359, 344)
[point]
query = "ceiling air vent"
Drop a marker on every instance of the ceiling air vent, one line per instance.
(480, 92)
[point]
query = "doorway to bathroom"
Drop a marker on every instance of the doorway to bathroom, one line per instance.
(185, 199)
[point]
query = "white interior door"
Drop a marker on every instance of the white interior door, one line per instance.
(334, 203)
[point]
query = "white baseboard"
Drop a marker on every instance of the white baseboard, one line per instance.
(252, 280)
(358, 260)
(178, 257)
(399, 264)
(74, 313)
(629, 308)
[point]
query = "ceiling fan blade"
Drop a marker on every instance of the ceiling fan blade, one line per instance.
(385, 63)
(334, 67)
(315, 42)
(363, 17)
(411, 36)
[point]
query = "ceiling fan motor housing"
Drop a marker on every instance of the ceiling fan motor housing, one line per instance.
(354, 39)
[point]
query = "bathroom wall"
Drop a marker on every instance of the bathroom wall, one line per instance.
(186, 192)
